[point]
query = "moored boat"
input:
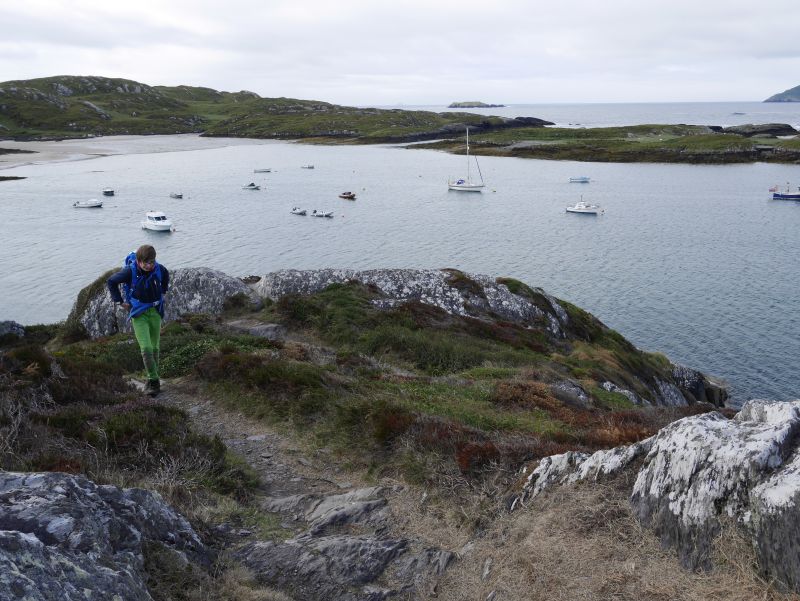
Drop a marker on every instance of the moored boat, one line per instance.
(157, 222)
(266, 170)
(581, 179)
(348, 195)
(316, 213)
(585, 208)
(251, 186)
(298, 211)
(108, 192)
(92, 203)
(786, 195)
(466, 184)
(175, 195)
(309, 166)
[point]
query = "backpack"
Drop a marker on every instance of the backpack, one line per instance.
(138, 307)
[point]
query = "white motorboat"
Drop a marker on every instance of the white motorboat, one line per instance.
(306, 166)
(251, 186)
(585, 208)
(466, 184)
(581, 179)
(298, 211)
(108, 192)
(316, 213)
(92, 203)
(175, 195)
(156, 221)
(267, 170)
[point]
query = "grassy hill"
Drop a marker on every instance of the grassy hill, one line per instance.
(790, 95)
(75, 106)
(636, 143)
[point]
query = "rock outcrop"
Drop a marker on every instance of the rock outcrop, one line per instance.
(450, 290)
(64, 537)
(11, 328)
(192, 290)
(769, 129)
(701, 470)
(481, 297)
(344, 554)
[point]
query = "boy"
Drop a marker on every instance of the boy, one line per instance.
(147, 281)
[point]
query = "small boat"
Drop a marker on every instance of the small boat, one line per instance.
(787, 195)
(348, 195)
(316, 213)
(581, 179)
(108, 192)
(175, 195)
(156, 221)
(267, 170)
(92, 203)
(251, 186)
(585, 209)
(298, 211)
(467, 185)
(309, 166)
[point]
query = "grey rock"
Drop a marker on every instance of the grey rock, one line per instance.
(344, 553)
(429, 286)
(270, 331)
(699, 387)
(773, 129)
(322, 568)
(11, 327)
(702, 469)
(64, 537)
(192, 290)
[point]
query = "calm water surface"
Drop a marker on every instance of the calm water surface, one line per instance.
(693, 261)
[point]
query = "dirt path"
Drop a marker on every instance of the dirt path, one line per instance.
(350, 539)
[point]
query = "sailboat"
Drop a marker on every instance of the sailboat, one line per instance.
(467, 185)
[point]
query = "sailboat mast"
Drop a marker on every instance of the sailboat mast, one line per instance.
(469, 179)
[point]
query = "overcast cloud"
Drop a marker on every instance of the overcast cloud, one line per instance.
(361, 52)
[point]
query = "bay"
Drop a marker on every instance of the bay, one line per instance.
(693, 261)
(724, 114)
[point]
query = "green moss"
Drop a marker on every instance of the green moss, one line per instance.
(612, 400)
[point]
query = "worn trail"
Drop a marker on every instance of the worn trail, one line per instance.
(345, 539)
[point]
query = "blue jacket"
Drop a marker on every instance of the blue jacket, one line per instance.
(147, 292)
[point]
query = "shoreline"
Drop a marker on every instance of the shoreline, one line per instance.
(77, 149)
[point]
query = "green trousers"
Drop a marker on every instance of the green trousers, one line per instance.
(147, 328)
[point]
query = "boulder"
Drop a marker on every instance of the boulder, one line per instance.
(191, 290)
(701, 470)
(64, 537)
(11, 328)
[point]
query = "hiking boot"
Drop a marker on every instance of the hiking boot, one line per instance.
(153, 387)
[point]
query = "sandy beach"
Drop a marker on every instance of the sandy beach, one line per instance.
(89, 148)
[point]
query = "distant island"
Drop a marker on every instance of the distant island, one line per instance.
(791, 95)
(473, 104)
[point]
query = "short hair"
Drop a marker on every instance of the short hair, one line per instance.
(145, 253)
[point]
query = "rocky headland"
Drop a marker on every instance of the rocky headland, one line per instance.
(790, 95)
(380, 434)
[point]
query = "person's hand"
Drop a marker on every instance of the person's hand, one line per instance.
(126, 306)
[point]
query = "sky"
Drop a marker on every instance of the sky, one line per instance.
(417, 52)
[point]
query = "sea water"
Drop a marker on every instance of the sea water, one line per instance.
(693, 261)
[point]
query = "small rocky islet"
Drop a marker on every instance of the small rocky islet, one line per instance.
(312, 421)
